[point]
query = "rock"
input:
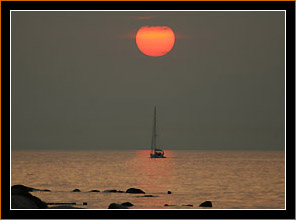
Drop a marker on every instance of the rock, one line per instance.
(206, 204)
(61, 203)
(110, 191)
(127, 204)
(134, 190)
(168, 205)
(169, 192)
(18, 189)
(22, 199)
(113, 191)
(76, 190)
(44, 190)
(64, 207)
(117, 206)
(94, 190)
(148, 196)
(22, 202)
(188, 205)
(67, 205)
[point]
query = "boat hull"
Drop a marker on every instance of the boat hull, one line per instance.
(156, 156)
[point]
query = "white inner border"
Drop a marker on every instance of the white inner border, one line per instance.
(156, 11)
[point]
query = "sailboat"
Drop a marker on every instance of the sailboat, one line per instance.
(155, 152)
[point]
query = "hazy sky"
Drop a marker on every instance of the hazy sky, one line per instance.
(80, 82)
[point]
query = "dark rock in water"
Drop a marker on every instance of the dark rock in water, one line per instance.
(113, 191)
(169, 192)
(168, 205)
(94, 190)
(76, 190)
(22, 202)
(38, 202)
(148, 196)
(22, 199)
(127, 204)
(117, 206)
(134, 190)
(206, 204)
(61, 203)
(64, 207)
(188, 205)
(110, 191)
(45, 190)
(17, 189)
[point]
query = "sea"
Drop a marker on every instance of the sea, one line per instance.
(229, 179)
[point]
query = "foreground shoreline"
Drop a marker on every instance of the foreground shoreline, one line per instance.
(21, 198)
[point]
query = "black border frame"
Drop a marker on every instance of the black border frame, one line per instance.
(6, 213)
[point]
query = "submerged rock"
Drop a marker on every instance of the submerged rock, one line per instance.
(44, 190)
(169, 192)
(206, 204)
(148, 196)
(134, 190)
(110, 191)
(117, 206)
(188, 205)
(64, 207)
(94, 190)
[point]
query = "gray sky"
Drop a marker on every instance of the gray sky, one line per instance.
(80, 82)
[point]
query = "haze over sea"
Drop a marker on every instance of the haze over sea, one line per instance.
(230, 179)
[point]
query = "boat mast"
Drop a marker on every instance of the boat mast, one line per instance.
(153, 143)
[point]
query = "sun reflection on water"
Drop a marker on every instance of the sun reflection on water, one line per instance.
(155, 175)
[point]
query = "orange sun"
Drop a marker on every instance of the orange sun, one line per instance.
(155, 40)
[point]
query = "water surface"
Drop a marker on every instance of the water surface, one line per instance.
(230, 179)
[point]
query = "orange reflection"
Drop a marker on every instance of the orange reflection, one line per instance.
(155, 177)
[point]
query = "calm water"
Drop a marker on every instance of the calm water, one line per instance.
(230, 179)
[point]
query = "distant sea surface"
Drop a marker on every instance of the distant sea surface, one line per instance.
(230, 179)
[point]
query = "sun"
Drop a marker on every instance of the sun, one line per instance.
(155, 40)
